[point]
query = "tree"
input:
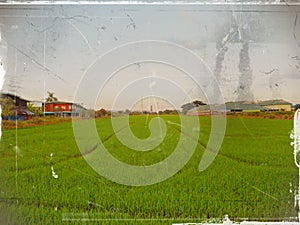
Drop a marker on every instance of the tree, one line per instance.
(51, 97)
(35, 110)
(297, 106)
(188, 106)
(168, 112)
(197, 103)
(7, 106)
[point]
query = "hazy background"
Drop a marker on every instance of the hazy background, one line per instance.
(252, 50)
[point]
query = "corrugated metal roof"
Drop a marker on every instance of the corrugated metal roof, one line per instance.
(202, 108)
(24, 112)
(244, 106)
(12, 96)
(29, 112)
(274, 102)
(231, 106)
(210, 107)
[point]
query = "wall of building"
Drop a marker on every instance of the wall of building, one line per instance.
(251, 110)
(21, 103)
(279, 107)
(57, 107)
(49, 107)
(61, 107)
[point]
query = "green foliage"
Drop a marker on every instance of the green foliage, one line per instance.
(34, 121)
(168, 112)
(36, 110)
(7, 106)
(51, 97)
(251, 176)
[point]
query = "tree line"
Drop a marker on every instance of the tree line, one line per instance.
(9, 108)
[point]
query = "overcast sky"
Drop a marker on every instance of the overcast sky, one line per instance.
(101, 56)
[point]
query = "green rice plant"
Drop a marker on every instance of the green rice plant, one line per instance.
(253, 176)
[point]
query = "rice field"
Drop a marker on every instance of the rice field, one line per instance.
(45, 179)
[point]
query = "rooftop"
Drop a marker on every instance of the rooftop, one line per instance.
(2, 94)
(244, 106)
(232, 106)
(274, 102)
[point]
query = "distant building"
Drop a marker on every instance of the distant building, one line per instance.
(207, 110)
(200, 110)
(240, 106)
(21, 110)
(276, 105)
(244, 107)
(64, 109)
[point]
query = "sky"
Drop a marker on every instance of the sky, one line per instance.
(138, 56)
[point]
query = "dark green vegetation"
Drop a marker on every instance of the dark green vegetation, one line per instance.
(250, 178)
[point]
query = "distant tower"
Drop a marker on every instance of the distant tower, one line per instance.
(151, 109)
(142, 105)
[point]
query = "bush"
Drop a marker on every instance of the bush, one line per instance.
(34, 121)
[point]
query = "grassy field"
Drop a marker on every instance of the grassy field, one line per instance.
(253, 176)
